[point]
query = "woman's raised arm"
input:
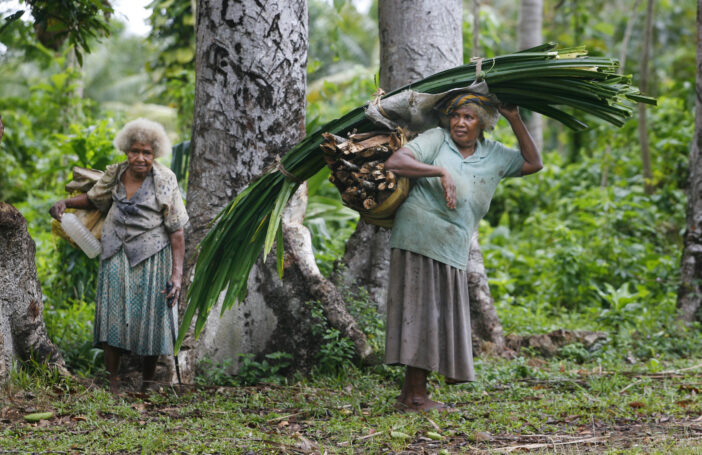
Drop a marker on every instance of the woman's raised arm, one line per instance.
(527, 146)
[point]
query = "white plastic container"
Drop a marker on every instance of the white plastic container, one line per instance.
(81, 235)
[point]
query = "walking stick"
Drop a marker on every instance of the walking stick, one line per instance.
(174, 333)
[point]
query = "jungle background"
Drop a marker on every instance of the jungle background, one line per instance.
(581, 245)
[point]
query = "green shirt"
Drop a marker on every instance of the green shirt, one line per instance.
(423, 224)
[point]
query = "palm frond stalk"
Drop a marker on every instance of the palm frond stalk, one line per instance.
(543, 79)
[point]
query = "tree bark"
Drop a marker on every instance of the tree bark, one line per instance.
(690, 292)
(529, 31)
(476, 28)
(417, 38)
(249, 107)
(643, 130)
(485, 323)
(22, 330)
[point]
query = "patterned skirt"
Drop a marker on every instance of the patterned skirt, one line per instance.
(428, 324)
(131, 312)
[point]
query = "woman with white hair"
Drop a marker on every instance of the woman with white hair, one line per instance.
(142, 249)
(456, 172)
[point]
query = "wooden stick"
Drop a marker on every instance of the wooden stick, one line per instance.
(368, 436)
(509, 449)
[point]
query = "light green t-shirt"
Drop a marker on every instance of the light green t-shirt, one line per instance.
(423, 224)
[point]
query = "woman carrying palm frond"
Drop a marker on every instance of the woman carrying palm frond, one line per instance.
(456, 172)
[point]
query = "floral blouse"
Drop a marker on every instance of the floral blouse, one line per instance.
(141, 224)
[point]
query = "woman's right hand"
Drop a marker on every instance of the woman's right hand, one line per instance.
(449, 189)
(57, 209)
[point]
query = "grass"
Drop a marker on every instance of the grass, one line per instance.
(555, 405)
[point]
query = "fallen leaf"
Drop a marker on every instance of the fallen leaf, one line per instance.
(79, 418)
(38, 416)
(482, 436)
(637, 404)
(399, 435)
(283, 423)
(684, 403)
(305, 444)
(689, 388)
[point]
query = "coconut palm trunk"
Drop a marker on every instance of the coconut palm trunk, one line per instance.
(249, 107)
(529, 31)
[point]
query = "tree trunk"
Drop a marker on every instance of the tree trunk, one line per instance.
(476, 28)
(643, 130)
(485, 323)
(417, 38)
(22, 330)
(249, 107)
(530, 24)
(627, 36)
(690, 292)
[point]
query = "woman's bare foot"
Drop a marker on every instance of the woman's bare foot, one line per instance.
(149, 386)
(114, 386)
(420, 404)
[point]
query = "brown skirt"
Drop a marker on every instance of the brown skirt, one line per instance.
(428, 312)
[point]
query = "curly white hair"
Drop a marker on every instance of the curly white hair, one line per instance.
(145, 131)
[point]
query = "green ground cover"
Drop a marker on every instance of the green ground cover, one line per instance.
(543, 406)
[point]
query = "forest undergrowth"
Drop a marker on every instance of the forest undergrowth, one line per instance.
(527, 404)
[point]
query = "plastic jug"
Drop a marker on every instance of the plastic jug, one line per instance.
(81, 235)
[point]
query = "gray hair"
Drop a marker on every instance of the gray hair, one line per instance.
(145, 131)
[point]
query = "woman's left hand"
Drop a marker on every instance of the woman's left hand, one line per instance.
(509, 111)
(174, 294)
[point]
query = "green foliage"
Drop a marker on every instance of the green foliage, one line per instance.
(369, 319)
(71, 329)
(341, 39)
(575, 352)
(335, 353)
(173, 32)
(172, 66)
(562, 250)
(211, 373)
(270, 369)
(329, 221)
(79, 21)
